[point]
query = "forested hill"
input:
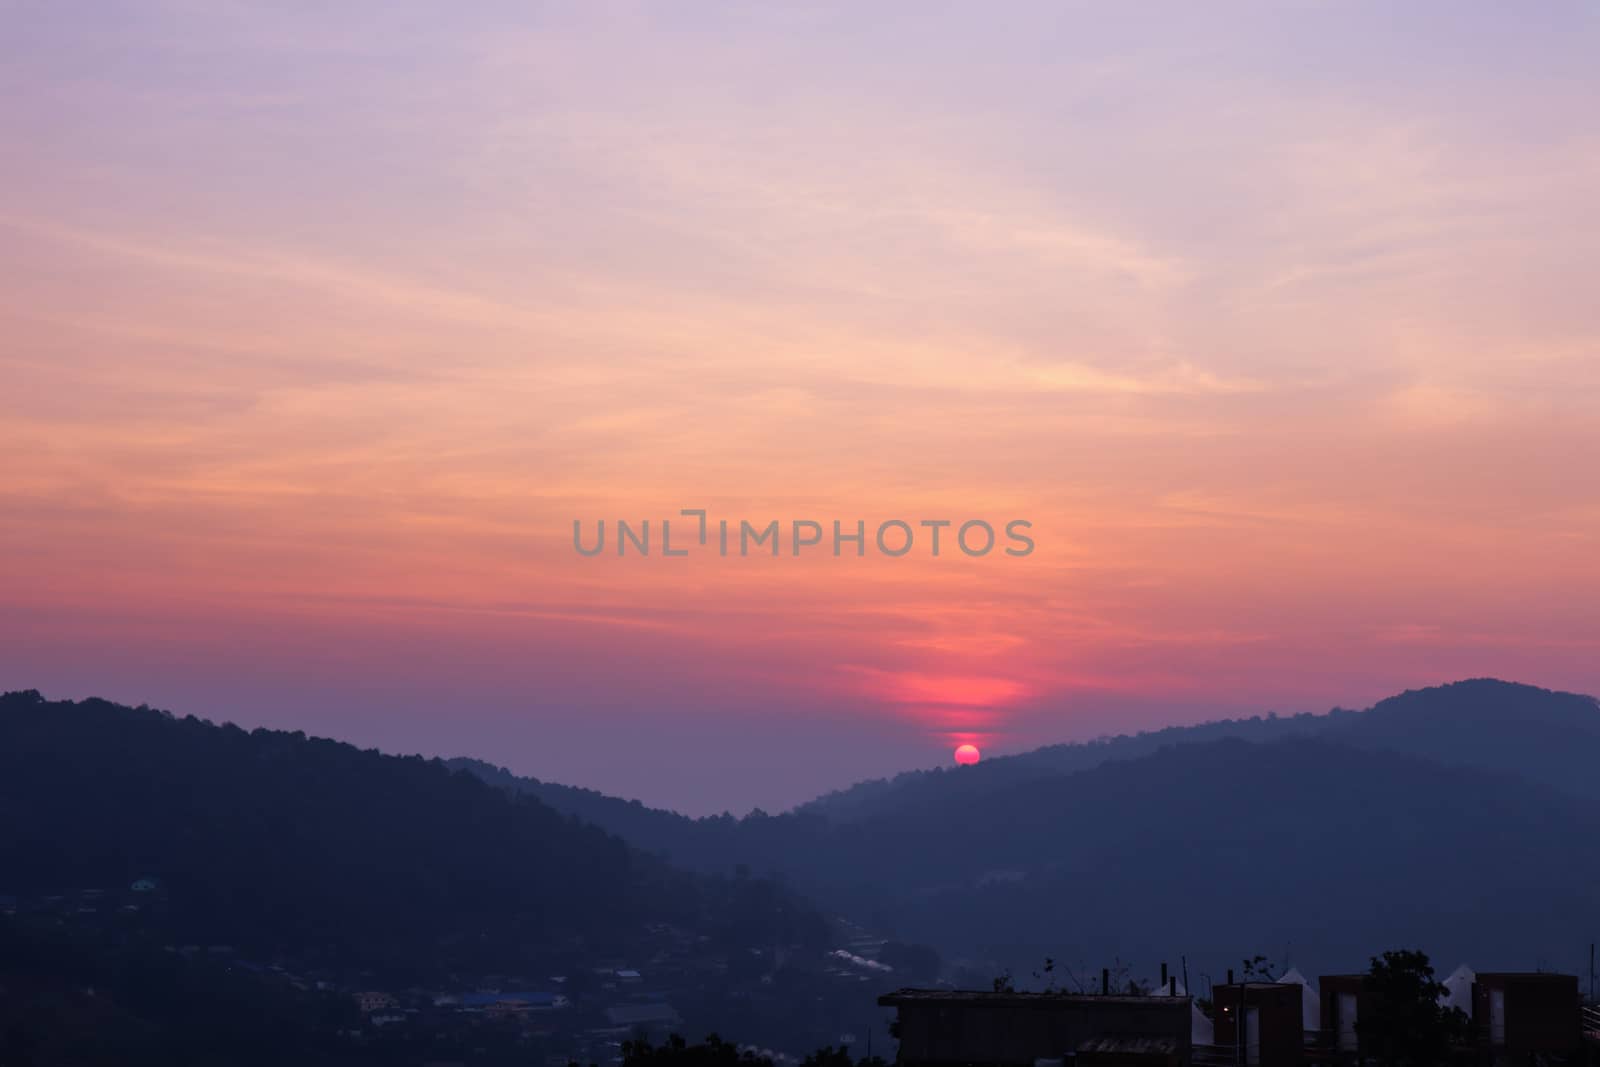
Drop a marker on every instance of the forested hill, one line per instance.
(1415, 821)
(698, 842)
(280, 844)
(628, 819)
(903, 792)
(1546, 736)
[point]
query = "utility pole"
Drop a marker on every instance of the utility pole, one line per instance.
(1238, 1022)
(1244, 1046)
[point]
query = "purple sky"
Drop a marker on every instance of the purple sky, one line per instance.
(322, 326)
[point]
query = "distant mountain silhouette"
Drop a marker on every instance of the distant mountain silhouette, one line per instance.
(1298, 846)
(280, 844)
(1548, 736)
(1458, 817)
(653, 828)
(352, 870)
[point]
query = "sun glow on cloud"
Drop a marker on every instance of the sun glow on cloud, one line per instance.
(318, 337)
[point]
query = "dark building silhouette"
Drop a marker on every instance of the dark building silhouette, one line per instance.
(1342, 998)
(947, 1027)
(1516, 1017)
(1520, 1016)
(1274, 1034)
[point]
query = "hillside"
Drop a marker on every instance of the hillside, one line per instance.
(73, 1000)
(279, 842)
(1544, 736)
(1550, 736)
(355, 870)
(1308, 835)
(904, 792)
(654, 829)
(1217, 851)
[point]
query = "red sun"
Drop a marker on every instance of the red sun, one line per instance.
(966, 755)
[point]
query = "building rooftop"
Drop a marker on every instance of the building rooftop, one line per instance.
(1142, 1046)
(483, 1000)
(641, 1014)
(1043, 1000)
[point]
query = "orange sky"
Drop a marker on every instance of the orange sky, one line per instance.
(1277, 322)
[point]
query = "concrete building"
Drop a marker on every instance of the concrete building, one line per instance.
(1273, 1034)
(1520, 1016)
(1516, 1017)
(948, 1027)
(654, 1021)
(1342, 997)
(374, 1001)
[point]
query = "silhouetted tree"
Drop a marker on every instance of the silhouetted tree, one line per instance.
(715, 1052)
(1402, 1021)
(676, 1052)
(839, 1057)
(1260, 969)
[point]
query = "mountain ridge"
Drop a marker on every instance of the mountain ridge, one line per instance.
(880, 794)
(145, 854)
(1463, 789)
(1070, 756)
(271, 838)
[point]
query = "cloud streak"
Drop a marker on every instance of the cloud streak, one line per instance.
(321, 330)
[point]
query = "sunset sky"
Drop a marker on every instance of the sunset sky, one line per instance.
(322, 323)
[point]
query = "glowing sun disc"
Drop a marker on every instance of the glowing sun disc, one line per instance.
(966, 755)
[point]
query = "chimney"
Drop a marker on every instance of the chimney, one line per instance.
(1105, 980)
(1163, 972)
